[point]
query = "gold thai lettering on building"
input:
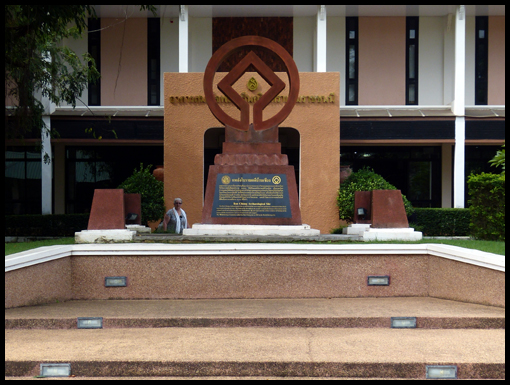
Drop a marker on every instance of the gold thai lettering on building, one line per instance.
(253, 99)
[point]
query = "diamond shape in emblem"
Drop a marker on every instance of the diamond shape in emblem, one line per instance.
(277, 86)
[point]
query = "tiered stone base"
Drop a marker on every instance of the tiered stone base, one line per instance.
(296, 230)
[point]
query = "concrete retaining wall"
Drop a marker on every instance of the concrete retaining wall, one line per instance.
(254, 271)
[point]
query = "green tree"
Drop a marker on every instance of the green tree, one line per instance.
(37, 63)
(151, 190)
(363, 180)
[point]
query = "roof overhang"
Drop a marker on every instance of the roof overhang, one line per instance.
(419, 111)
(242, 10)
(110, 111)
(345, 111)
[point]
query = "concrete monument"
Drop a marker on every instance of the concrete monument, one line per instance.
(310, 135)
(251, 182)
(114, 217)
(380, 215)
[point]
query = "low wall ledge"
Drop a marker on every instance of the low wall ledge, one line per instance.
(49, 253)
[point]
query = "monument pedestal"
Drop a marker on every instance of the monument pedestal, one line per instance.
(379, 215)
(107, 221)
(258, 230)
(394, 234)
(139, 229)
(251, 195)
(368, 233)
(104, 236)
(356, 229)
(251, 182)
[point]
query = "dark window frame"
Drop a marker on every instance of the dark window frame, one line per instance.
(29, 189)
(115, 161)
(94, 49)
(395, 164)
(412, 48)
(351, 69)
(153, 61)
(481, 60)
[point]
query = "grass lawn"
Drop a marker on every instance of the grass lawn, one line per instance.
(11, 248)
(496, 247)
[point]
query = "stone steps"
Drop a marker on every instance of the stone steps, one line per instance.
(257, 351)
(346, 322)
(215, 378)
(431, 313)
(263, 338)
(215, 238)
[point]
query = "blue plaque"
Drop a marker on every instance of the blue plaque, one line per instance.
(251, 196)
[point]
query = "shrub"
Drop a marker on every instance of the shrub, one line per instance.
(487, 200)
(441, 222)
(151, 190)
(364, 179)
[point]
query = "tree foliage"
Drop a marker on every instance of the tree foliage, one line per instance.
(499, 159)
(36, 62)
(363, 180)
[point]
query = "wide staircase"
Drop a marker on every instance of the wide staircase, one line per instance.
(345, 338)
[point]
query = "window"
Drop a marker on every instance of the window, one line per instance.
(412, 60)
(352, 52)
(22, 180)
(153, 61)
(477, 161)
(481, 59)
(415, 170)
(94, 48)
(95, 167)
(86, 170)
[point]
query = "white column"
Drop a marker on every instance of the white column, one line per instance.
(320, 44)
(46, 156)
(46, 168)
(459, 176)
(458, 107)
(183, 38)
(459, 90)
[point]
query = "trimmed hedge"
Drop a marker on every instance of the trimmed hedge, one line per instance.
(441, 222)
(55, 225)
(487, 193)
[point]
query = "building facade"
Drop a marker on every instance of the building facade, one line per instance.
(422, 95)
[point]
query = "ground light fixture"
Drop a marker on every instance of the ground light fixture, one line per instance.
(89, 322)
(55, 370)
(441, 372)
(115, 281)
(378, 280)
(403, 322)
